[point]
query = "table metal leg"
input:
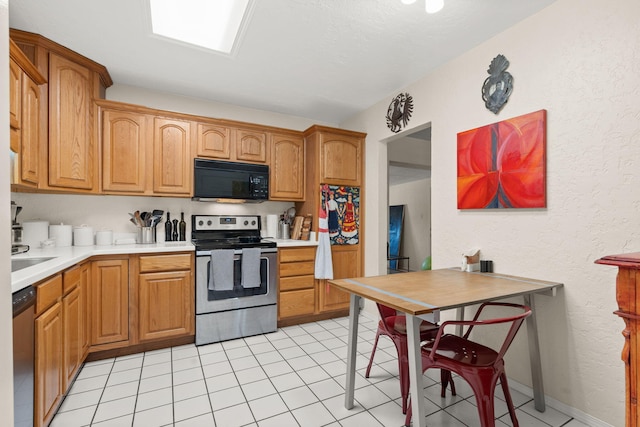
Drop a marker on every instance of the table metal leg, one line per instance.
(354, 311)
(416, 388)
(459, 316)
(534, 356)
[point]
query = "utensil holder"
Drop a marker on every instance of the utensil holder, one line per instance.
(146, 235)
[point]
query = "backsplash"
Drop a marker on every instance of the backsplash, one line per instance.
(105, 212)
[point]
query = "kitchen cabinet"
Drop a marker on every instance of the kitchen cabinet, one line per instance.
(213, 141)
(297, 294)
(85, 285)
(338, 155)
(251, 145)
(110, 302)
(72, 147)
(286, 172)
(126, 151)
(68, 153)
(335, 157)
(346, 264)
(49, 363)
(72, 321)
(165, 296)
(24, 113)
(172, 160)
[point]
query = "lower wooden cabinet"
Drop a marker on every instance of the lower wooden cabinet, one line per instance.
(165, 297)
(49, 362)
(346, 263)
(72, 339)
(110, 301)
(85, 295)
(297, 284)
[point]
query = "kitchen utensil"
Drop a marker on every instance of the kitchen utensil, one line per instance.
(138, 218)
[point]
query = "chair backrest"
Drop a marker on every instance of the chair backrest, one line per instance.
(385, 311)
(515, 320)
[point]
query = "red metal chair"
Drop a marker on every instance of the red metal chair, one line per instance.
(394, 326)
(481, 366)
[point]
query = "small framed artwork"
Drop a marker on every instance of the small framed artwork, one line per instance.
(342, 204)
(502, 165)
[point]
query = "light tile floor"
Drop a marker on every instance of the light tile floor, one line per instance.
(292, 377)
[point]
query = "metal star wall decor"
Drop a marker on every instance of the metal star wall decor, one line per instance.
(399, 112)
(498, 86)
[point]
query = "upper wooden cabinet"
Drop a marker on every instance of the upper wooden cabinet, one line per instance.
(126, 151)
(172, 164)
(226, 141)
(69, 149)
(25, 118)
(286, 172)
(213, 141)
(251, 145)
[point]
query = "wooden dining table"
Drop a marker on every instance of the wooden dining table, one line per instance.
(424, 293)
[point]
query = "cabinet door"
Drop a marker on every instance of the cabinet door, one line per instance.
(124, 151)
(15, 95)
(286, 174)
(166, 305)
(71, 147)
(30, 132)
(346, 263)
(172, 161)
(85, 295)
(72, 338)
(341, 160)
(110, 301)
(48, 365)
(213, 141)
(251, 145)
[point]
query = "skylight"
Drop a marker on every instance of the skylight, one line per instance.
(212, 24)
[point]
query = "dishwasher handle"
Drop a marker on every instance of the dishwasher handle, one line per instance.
(23, 299)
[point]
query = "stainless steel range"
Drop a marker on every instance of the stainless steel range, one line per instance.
(236, 281)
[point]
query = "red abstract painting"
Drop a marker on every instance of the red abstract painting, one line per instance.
(502, 165)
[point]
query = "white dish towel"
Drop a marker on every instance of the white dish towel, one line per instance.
(251, 268)
(221, 274)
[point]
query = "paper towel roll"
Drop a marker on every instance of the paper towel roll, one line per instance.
(34, 233)
(61, 234)
(272, 226)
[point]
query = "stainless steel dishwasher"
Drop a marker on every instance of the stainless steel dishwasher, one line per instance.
(23, 356)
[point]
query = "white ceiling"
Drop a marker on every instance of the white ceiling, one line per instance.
(320, 59)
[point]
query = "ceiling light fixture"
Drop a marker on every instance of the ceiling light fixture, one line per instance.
(431, 6)
(210, 24)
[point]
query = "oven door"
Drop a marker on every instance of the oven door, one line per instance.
(209, 301)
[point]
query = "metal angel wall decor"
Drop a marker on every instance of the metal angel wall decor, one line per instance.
(399, 112)
(498, 86)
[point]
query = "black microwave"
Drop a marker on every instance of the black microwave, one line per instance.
(220, 181)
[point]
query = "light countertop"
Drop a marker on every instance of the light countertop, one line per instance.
(62, 258)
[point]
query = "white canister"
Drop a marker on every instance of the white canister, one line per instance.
(61, 234)
(104, 238)
(34, 233)
(83, 236)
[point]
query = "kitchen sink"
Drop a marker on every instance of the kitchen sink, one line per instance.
(19, 264)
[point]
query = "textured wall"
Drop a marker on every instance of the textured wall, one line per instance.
(579, 60)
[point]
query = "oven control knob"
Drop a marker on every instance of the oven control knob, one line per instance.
(209, 222)
(246, 223)
(200, 222)
(253, 222)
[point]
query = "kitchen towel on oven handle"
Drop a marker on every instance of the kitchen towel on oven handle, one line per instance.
(221, 275)
(251, 268)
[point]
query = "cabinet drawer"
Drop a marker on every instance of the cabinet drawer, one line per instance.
(48, 292)
(296, 303)
(298, 254)
(296, 282)
(71, 279)
(297, 268)
(171, 262)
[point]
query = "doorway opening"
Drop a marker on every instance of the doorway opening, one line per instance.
(409, 186)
